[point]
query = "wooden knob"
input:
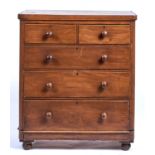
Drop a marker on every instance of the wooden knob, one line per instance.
(48, 58)
(103, 116)
(103, 34)
(48, 115)
(103, 59)
(48, 34)
(48, 85)
(103, 85)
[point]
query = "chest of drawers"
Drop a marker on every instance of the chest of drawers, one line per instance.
(77, 76)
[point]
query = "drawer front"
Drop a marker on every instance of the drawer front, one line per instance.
(70, 115)
(49, 33)
(104, 34)
(76, 84)
(108, 57)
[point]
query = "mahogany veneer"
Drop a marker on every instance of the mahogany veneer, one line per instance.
(77, 76)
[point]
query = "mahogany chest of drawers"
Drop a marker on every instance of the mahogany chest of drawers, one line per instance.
(77, 76)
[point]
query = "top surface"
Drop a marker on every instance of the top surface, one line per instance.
(76, 15)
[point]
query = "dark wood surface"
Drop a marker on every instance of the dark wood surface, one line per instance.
(116, 34)
(76, 116)
(79, 57)
(60, 33)
(76, 84)
(77, 76)
(76, 15)
(76, 144)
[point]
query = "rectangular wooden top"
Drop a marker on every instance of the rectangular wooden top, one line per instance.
(76, 15)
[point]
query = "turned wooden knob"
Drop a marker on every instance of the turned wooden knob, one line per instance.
(103, 116)
(48, 58)
(48, 34)
(103, 58)
(49, 85)
(103, 34)
(48, 115)
(103, 85)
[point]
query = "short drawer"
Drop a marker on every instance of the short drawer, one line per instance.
(76, 116)
(76, 83)
(50, 33)
(82, 57)
(104, 34)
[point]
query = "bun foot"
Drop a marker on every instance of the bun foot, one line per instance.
(125, 146)
(27, 145)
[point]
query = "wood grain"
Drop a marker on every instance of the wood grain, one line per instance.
(76, 84)
(76, 115)
(60, 15)
(35, 33)
(77, 76)
(81, 57)
(116, 34)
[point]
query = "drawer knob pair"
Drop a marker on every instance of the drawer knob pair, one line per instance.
(103, 85)
(103, 116)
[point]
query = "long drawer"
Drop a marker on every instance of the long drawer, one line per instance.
(82, 57)
(76, 115)
(76, 83)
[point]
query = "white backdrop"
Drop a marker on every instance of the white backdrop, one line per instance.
(145, 70)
